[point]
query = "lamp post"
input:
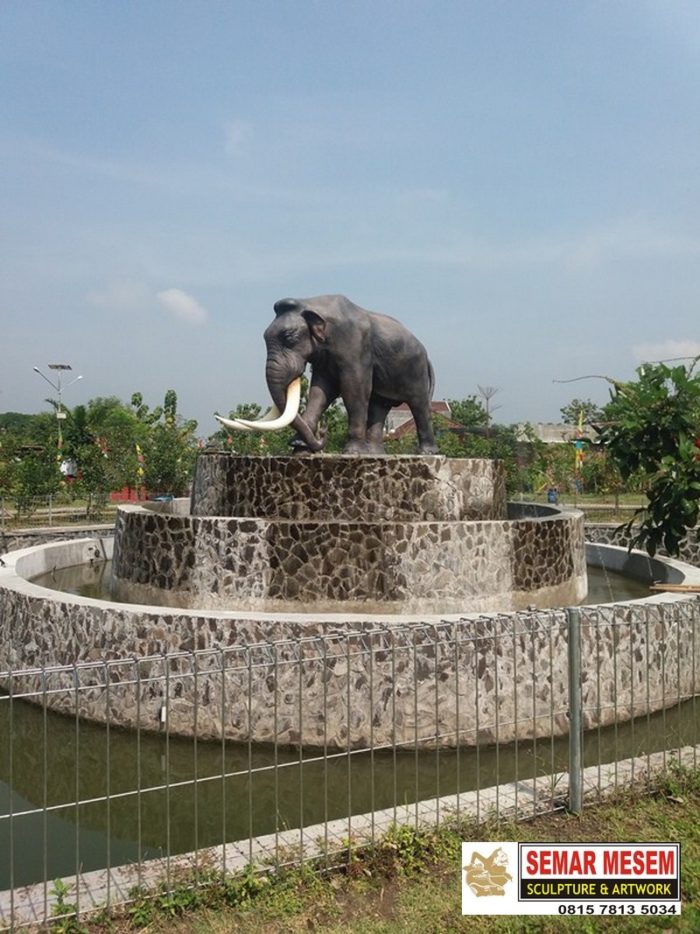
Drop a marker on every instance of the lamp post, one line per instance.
(60, 369)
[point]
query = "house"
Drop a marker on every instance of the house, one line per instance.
(555, 433)
(400, 422)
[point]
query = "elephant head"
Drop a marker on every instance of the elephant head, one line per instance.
(290, 344)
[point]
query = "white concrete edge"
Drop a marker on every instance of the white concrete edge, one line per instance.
(640, 565)
(41, 559)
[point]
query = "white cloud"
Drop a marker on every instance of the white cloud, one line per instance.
(135, 296)
(238, 134)
(666, 350)
(182, 306)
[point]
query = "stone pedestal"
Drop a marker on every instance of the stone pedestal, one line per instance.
(349, 534)
(346, 488)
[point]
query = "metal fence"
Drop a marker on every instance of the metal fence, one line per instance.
(53, 510)
(123, 773)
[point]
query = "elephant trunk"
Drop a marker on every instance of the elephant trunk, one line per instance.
(278, 390)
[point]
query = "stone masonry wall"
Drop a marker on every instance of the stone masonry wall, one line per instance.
(349, 488)
(411, 566)
(345, 683)
(391, 534)
(27, 538)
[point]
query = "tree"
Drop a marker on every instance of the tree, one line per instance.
(35, 475)
(101, 438)
(15, 423)
(334, 424)
(487, 393)
(449, 444)
(501, 444)
(571, 413)
(251, 442)
(468, 411)
(20, 436)
(652, 426)
(600, 473)
(32, 465)
(8, 460)
(167, 444)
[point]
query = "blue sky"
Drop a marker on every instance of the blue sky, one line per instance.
(516, 181)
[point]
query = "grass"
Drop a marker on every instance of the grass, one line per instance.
(60, 514)
(410, 882)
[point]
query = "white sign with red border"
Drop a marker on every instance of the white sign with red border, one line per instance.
(571, 879)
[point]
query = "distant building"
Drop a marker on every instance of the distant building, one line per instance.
(400, 422)
(554, 433)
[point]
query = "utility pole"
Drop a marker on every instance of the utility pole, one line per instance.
(60, 368)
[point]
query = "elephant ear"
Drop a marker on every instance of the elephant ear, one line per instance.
(317, 324)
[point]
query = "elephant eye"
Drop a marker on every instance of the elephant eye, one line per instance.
(287, 337)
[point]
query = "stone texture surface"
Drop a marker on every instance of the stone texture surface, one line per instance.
(343, 683)
(350, 533)
(267, 564)
(27, 538)
(349, 488)
(334, 680)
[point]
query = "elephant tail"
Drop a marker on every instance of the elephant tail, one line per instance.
(431, 380)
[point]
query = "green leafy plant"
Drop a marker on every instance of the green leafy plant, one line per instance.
(652, 427)
(63, 912)
(142, 909)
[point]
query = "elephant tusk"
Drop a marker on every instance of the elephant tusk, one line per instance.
(291, 410)
(271, 415)
(273, 421)
(231, 423)
(237, 425)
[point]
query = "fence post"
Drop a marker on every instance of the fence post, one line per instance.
(50, 509)
(573, 615)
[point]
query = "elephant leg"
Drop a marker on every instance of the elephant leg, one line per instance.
(424, 429)
(376, 417)
(355, 390)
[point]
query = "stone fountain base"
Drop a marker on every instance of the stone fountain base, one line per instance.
(349, 534)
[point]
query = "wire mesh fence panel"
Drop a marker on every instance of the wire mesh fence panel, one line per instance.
(639, 688)
(302, 747)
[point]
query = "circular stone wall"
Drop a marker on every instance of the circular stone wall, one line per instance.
(357, 534)
(337, 680)
(389, 567)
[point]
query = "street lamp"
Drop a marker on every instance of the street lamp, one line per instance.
(60, 368)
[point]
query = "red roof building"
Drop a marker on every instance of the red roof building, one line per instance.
(400, 422)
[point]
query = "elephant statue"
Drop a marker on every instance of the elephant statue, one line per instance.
(370, 360)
